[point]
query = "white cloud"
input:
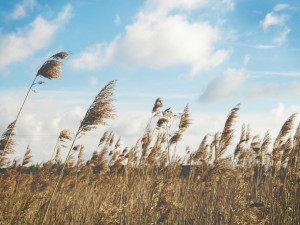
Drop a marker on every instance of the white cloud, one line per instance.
(117, 20)
(20, 10)
(229, 4)
(279, 111)
(265, 46)
(282, 36)
(275, 73)
(93, 81)
(168, 5)
(259, 90)
(42, 119)
(228, 85)
(39, 34)
(280, 7)
(273, 19)
(246, 59)
(233, 84)
(159, 39)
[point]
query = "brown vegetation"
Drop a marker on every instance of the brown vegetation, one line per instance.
(149, 183)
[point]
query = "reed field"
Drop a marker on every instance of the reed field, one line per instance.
(253, 181)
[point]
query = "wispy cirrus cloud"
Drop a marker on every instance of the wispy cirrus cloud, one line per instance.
(281, 38)
(117, 20)
(228, 85)
(21, 9)
(281, 7)
(17, 46)
(234, 83)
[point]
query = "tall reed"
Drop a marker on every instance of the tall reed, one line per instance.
(99, 112)
(51, 69)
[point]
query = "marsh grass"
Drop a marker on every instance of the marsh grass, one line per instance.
(148, 183)
(138, 185)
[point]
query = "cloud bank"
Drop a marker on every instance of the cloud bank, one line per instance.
(162, 35)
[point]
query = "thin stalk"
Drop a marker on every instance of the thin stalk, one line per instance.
(61, 173)
(59, 178)
(54, 149)
(14, 124)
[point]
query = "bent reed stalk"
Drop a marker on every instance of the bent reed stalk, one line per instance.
(98, 112)
(51, 69)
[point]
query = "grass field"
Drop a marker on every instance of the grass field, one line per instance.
(149, 183)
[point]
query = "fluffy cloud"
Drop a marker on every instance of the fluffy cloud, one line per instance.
(276, 18)
(228, 85)
(273, 19)
(26, 41)
(159, 38)
(20, 10)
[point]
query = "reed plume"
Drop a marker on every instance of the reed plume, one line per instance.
(158, 104)
(26, 160)
(99, 112)
(27, 156)
(280, 140)
(51, 69)
(103, 138)
(64, 136)
(57, 155)
(7, 144)
(227, 134)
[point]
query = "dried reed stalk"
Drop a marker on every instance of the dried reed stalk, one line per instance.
(64, 135)
(100, 110)
(227, 134)
(51, 69)
(7, 144)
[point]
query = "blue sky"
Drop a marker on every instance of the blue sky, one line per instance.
(210, 54)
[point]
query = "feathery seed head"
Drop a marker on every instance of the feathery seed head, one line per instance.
(51, 69)
(100, 110)
(158, 104)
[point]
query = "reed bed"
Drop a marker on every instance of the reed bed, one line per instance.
(149, 183)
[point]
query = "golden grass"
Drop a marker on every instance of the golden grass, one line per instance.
(138, 186)
(149, 183)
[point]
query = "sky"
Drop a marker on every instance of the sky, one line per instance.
(210, 54)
